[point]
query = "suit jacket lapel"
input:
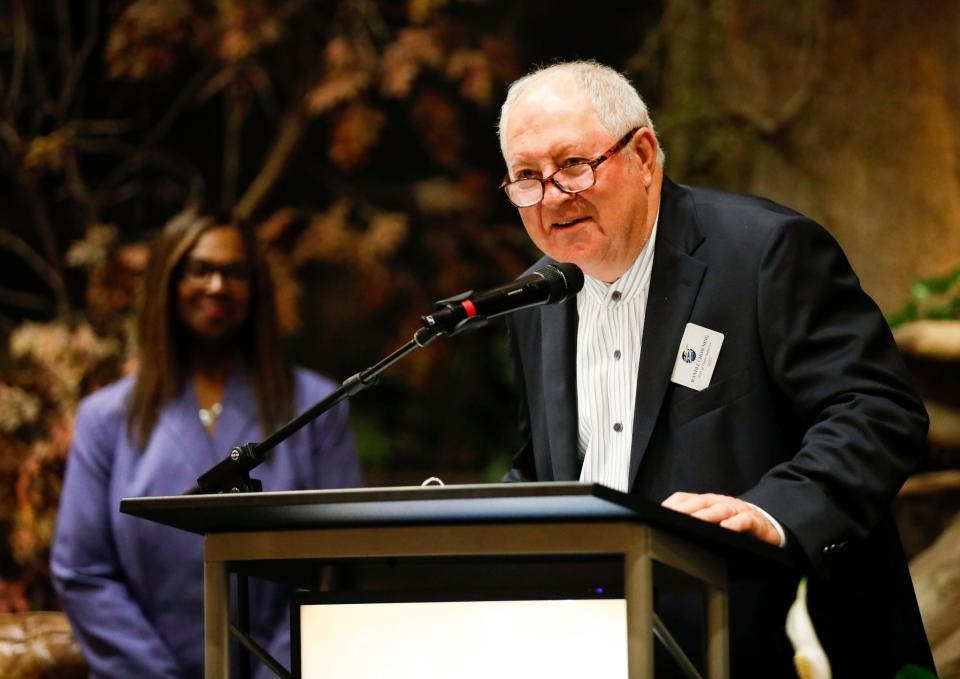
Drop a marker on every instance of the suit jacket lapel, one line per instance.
(674, 284)
(559, 343)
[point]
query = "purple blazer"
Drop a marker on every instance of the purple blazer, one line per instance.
(133, 589)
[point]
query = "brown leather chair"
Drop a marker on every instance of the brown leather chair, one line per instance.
(39, 645)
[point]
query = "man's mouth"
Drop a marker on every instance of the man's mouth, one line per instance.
(566, 224)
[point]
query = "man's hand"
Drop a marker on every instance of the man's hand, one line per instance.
(730, 512)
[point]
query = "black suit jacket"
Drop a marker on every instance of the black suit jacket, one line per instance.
(809, 415)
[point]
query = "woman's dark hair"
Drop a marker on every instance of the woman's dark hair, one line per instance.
(162, 350)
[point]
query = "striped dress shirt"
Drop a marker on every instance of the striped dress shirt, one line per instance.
(609, 335)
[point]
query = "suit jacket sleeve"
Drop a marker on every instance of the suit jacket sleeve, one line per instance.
(523, 467)
(116, 638)
(827, 346)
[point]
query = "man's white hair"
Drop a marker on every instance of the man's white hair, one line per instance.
(616, 102)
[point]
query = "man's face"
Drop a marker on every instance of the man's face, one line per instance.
(602, 229)
(213, 289)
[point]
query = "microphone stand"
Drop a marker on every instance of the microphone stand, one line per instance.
(232, 474)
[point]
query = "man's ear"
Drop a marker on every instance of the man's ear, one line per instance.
(644, 144)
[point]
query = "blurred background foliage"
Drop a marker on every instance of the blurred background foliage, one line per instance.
(935, 298)
(357, 136)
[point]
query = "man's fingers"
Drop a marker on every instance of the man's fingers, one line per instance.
(676, 500)
(744, 522)
(729, 512)
(688, 503)
(754, 523)
(715, 513)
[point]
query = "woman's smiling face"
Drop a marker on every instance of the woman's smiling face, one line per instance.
(213, 287)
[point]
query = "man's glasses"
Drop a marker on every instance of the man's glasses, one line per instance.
(199, 271)
(572, 178)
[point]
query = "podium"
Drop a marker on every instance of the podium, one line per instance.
(547, 532)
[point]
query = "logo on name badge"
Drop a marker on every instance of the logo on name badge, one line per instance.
(688, 355)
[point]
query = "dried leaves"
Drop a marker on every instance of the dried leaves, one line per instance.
(49, 152)
(380, 105)
(355, 77)
(51, 366)
(245, 28)
(356, 130)
(62, 356)
(18, 408)
(413, 50)
(54, 364)
(144, 40)
(147, 39)
(331, 238)
(349, 68)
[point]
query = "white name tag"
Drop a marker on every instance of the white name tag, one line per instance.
(697, 357)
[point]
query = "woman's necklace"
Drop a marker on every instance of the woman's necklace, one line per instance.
(208, 416)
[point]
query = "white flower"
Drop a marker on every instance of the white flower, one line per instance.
(809, 658)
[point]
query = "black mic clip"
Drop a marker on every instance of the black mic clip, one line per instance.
(231, 475)
(468, 324)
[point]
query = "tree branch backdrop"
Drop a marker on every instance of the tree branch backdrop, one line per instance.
(359, 137)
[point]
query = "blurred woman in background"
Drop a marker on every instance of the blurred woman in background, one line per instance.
(211, 375)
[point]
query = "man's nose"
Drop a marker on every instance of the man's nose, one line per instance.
(552, 195)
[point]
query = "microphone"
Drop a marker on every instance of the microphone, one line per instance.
(547, 285)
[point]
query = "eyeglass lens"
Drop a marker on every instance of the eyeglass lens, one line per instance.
(572, 179)
(201, 270)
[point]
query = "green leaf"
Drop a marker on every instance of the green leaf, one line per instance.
(941, 312)
(915, 672)
(935, 297)
(938, 285)
(908, 312)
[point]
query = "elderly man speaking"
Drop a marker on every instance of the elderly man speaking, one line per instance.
(721, 359)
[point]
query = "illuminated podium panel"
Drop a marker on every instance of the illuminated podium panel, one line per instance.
(560, 638)
(536, 547)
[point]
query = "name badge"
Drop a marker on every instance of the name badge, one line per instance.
(696, 357)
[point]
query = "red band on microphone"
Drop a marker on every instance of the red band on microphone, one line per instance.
(469, 308)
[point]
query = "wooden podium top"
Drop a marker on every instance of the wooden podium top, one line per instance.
(444, 505)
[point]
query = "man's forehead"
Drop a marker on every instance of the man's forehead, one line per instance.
(555, 95)
(551, 120)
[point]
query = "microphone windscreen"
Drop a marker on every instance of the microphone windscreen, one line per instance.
(564, 279)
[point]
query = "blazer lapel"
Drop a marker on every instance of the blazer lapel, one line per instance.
(559, 342)
(674, 284)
